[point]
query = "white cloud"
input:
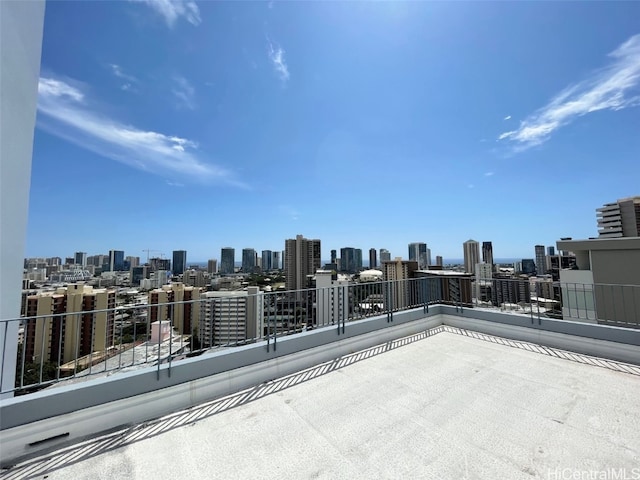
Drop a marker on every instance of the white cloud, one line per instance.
(128, 80)
(48, 87)
(171, 10)
(184, 92)
(276, 55)
(488, 174)
(508, 117)
(175, 184)
(64, 112)
(612, 88)
(118, 72)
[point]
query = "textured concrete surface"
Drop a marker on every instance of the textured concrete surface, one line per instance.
(445, 406)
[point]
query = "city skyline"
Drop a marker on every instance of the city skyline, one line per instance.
(218, 113)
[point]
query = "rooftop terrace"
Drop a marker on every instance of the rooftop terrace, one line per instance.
(442, 403)
(417, 388)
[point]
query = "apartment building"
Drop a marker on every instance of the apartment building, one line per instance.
(68, 328)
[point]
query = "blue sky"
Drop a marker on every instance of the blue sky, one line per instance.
(198, 125)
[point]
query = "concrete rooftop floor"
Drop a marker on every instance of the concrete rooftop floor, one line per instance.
(439, 406)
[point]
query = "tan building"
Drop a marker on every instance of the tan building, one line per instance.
(301, 259)
(176, 302)
(398, 272)
(69, 328)
(471, 255)
(212, 266)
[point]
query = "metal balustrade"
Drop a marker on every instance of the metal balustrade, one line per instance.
(68, 347)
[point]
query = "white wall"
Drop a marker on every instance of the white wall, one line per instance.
(21, 26)
(578, 297)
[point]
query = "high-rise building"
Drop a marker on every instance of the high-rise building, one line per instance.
(349, 259)
(418, 253)
(301, 259)
(54, 261)
(73, 330)
(116, 260)
(510, 290)
(551, 250)
(439, 262)
(373, 260)
(80, 258)
(528, 266)
(487, 253)
(97, 260)
(541, 260)
(385, 256)
(158, 264)
(133, 261)
(230, 318)
(228, 260)
(267, 260)
(212, 266)
(619, 219)
(334, 256)
(276, 261)
(471, 255)
(179, 262)
(400, 292)
(138, 273)
(484, 274)
(248, 260)
(178, 303)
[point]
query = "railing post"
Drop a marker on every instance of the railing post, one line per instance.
(389, 302)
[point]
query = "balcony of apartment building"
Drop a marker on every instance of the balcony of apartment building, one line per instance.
(417, 387)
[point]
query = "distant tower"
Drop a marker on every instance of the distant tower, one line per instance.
(248, 260)
(276, 261)
(348, 260)
(438, 260)
(267, 260)
(179, 262)
(228, 260)
(334, 255)
(471, 255)
(385, 256)
(373, 261)
(418, 253)
(541, 264)
(116, 260)
(80, 258)
(212, 266)
(487, 253)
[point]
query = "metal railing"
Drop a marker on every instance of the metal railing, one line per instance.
(70, 346)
